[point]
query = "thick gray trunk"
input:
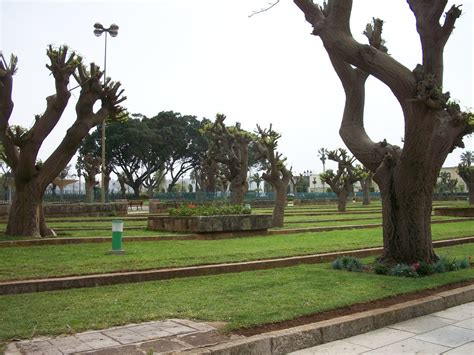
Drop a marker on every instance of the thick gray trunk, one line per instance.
(26, 214)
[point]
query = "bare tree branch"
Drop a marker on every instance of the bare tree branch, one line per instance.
(270, 5)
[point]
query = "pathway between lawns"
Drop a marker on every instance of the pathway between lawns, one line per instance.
(94, 280)
(202, 236)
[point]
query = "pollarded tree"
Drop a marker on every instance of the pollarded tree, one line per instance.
(445, 184)
(26, 214)
(90, 165)
(230, 146)
(275, 172)
(366, 184)
(342, 181)
(466, 172)
(433, 125)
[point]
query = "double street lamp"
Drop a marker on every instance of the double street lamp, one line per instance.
(113, 31)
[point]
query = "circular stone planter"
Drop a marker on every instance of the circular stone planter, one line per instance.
(210, 224)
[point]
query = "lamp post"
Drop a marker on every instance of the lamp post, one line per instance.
(113, 31)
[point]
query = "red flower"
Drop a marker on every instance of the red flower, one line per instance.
(191, 206)
(416, 266)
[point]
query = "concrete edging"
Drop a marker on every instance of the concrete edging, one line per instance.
(309, 335)
(94, 280)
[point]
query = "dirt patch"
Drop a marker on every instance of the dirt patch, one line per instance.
(344, 311)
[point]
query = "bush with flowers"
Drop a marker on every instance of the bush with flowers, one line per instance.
(208, 210)
(417, 269)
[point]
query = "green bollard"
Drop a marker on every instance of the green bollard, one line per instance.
(117, 231)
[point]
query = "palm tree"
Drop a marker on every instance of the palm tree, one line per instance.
(323, 155)
(256, 178)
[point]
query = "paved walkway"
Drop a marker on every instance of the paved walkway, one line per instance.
(172, 335)
(446, 332)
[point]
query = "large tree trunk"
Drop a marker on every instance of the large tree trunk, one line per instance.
(342, 201)
(238, 189)
(366, 183)
(26, 214)
(470, 188)
(280, 203)
(90, 191)
(406, 211)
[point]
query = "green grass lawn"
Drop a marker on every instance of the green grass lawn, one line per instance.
(243, 300)
(61, 260)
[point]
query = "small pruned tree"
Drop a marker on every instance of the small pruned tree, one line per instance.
(229, 146)
(343, 179)
(466, 172)
(21, 148)
(446, 184)
(275, 171)
(366, 184)
(434, 126)
(89, 164)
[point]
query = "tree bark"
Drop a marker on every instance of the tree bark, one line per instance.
(238, 189)
(366, 183)
(90, 191)
(471, 193)
(342, 201)
(26, 216)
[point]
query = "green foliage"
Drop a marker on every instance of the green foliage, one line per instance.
(348, 263)
(404, 270)
(381, 269)
(209, 210)
(422, 268)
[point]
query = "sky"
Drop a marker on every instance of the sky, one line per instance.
(208, 56)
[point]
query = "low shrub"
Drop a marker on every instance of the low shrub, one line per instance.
(381, 269)
(208, 210)
(404, 270)
(414, 270)
(348, 263)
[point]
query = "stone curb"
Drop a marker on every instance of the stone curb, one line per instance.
(201, 236)
(309, 335)
(63, 283)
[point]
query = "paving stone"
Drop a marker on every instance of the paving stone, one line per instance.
(411, 346)
(149, 331)
(12, 350)
(203, 339)
(462, 350)
(97, 340)
(124, 336)
(196, 325)
(422, 324)
(448, 336)
(461, 312)
(467, 323)
(69, 344)
(180, 330)
(335, 347)
(162, 346)
(380, 337)
(122, 350)
(37, 347)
